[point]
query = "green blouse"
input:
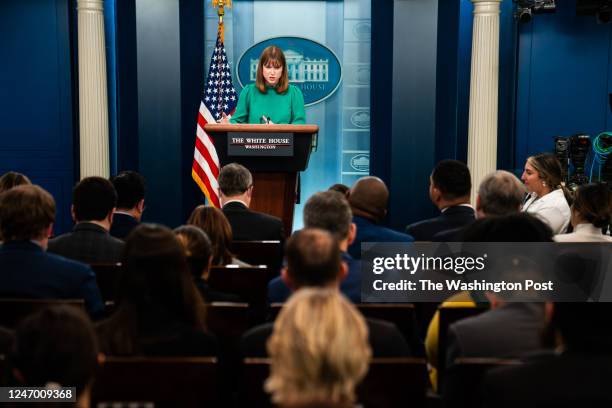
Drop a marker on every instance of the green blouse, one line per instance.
(279, 108)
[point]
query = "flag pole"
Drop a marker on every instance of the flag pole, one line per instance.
(220, 6)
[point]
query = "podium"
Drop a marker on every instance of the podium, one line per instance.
(274, 154)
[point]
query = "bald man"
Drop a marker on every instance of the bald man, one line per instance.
(368, 199)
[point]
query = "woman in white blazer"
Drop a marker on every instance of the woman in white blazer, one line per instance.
(590, 214)
(546, 199)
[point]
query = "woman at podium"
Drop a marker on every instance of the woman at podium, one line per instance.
(271, 99)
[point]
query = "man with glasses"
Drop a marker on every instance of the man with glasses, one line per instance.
(236, 190)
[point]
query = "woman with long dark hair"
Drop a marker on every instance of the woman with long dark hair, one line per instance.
(159, 310)
(214, 223)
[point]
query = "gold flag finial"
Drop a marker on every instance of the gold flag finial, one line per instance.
(220, 6)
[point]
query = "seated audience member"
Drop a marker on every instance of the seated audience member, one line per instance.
(27, 214)
(159, 310)
(342, 189)
(199, 253)
(130, 187)
(450, 186)
(577, 375)
(500, 193)
(313, 260)
(368, 199)
(13, 179)
(236, 189)
(93, 203)
(56, 347)
(213, 222)
(547, 198)
(328, 211)
(591, 211)
(511, 327)
(319, 351)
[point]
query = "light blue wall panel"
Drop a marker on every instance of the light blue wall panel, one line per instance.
(342, 26)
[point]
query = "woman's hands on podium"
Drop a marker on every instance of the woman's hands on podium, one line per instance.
(224, 119)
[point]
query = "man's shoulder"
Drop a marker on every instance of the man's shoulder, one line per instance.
(390, 235)
(66, 264)
(459, 211)
(60, 240)
(124, 218)
(267, 217)
(256, 216)
(371, 231)
(424, 224)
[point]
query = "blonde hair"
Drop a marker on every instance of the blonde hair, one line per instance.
(319, 349)
(274, 56)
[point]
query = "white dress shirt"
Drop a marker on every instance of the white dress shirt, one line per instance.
(551, 208)
(584, 233)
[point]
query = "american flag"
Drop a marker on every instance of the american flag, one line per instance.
(219, 97)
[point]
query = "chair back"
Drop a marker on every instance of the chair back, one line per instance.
(227, 320)
(448, 316)
(269, 253)
(161, 381)
(463, 381)
(14, 310)
(250, 283)
(402, 315)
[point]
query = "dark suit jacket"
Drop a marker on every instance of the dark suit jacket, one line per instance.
(278, 292)
(89, 243)
(122, 225)
(28, 271)
(451, 235)
(566, 380)
(368, 231)
(452, 217)
(250, 225)
(508, 331)
(385, 340)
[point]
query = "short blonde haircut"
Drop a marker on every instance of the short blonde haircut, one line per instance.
(319, 349)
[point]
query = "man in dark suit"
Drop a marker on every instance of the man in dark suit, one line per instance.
(578, 374)
(130, 187)
(236, 189)
(368, 199)
(27, 214)
(313, 260)
(507, 330)
(329, 211)
(93, 203)
(500, 193)
(450, 186)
